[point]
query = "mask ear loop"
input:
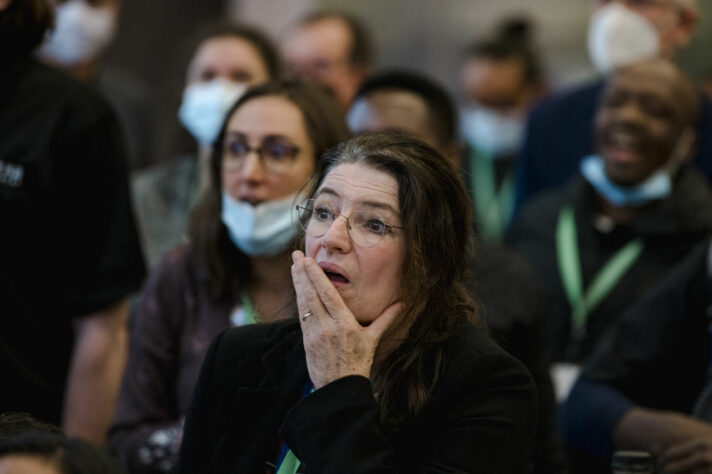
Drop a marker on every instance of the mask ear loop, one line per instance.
(681, 152)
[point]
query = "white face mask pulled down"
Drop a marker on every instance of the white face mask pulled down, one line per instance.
(263, 230)
(657, 186)
(205, 105)
(495, 134)
(617, 37)
(81, 33)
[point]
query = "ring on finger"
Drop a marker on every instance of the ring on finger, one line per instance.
(306, 315)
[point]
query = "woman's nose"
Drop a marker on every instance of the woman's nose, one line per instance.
(252, 169)
(337, 237)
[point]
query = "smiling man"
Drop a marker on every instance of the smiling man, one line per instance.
(621, 32)
(637, 208)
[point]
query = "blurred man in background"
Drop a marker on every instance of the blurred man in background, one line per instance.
(332, 48)
(500, 80)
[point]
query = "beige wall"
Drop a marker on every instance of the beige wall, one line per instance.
(429, 35)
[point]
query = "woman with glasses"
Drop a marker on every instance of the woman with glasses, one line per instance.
(226, 60)
(387, 367)
(235, 269)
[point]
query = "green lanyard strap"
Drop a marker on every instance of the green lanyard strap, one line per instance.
(248, 308)
(494, 208)
(567, 252)
(290, 464)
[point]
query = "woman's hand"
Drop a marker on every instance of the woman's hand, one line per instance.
(336, 344)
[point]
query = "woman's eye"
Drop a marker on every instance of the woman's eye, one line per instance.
(322, 214)
(277, 152)
(237, 148)
(375, 225)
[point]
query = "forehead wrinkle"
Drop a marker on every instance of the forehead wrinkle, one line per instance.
(358, 201)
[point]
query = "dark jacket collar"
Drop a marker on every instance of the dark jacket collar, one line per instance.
(257, 411)
(687, 209)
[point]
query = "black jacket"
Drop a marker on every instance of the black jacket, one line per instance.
(669, 229)
(480, 419)
(513, 303)
(657, 357)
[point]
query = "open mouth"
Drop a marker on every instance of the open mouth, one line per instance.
(622, 141)
(336, 277)
(623, 146)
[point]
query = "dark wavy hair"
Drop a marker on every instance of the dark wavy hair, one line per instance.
(325, 127)
(437, 217)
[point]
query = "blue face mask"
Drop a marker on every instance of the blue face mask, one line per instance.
(204, 106)
(656, 186)
(492, 133)
(265, 229)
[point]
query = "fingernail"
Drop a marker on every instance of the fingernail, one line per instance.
(297, 256)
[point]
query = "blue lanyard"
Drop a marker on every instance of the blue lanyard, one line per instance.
(287, 461)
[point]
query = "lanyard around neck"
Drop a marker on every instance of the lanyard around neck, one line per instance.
(568, 257)
(248, 308)
(287, 461)
(494, 208)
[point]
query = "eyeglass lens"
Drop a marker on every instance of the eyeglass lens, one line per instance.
(365, 227)
(276, 153)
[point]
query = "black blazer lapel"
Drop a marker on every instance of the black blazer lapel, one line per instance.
(257, 412)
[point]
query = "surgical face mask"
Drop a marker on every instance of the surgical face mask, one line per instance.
(617, 36)
(265, 229)
(204, 106)
(656, 186)
(81, 33)
(490, 132)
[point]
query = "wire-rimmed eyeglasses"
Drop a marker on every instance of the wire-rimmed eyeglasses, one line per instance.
(365, 227)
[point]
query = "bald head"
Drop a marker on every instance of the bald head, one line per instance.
(665, 72)
(645, 120)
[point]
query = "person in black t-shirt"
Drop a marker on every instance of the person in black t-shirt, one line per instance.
(68, 246)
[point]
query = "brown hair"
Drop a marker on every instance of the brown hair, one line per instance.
(266, 49)
(437, 217)
(325, 127)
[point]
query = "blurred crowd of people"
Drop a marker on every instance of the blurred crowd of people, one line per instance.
(592, 214)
